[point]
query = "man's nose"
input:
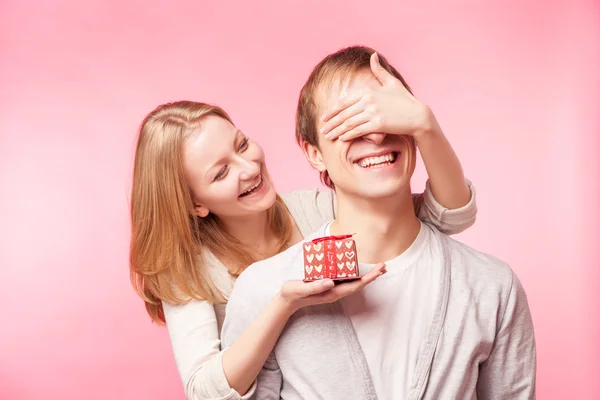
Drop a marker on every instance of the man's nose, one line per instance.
(375, 138)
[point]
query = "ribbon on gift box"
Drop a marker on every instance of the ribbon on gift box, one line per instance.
(325, 238)
(330, 263)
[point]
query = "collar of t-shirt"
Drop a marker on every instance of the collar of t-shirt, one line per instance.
(404, 260)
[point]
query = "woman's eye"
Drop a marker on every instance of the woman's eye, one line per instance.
(221, 174)
(243, 145)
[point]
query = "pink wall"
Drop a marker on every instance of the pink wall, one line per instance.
(514, 84)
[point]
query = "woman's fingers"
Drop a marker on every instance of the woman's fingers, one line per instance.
(325, 290)
(344, 103)
(297, 290)
(349, 125)
(344, 289)
(341, 122)
(375, 272)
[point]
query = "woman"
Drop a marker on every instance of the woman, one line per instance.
(203, 209)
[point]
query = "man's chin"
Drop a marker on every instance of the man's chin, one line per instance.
(377, 193)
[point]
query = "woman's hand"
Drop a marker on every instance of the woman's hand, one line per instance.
(389, 108)
(297, 294)
(244, 359)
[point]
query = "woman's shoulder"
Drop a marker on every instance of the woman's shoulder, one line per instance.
(310, 208)
(217, 271)
(300, 197)
(313, 200)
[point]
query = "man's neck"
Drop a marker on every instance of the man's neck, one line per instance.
(383, 228)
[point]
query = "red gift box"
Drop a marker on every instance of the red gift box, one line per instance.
(330, 257)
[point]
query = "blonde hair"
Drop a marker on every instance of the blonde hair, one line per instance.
(342, 64)
(167, 239)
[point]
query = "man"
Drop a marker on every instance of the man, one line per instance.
(445, 322)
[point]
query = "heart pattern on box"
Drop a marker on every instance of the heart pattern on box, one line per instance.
(322, 258)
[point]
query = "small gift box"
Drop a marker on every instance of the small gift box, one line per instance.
(330, 257)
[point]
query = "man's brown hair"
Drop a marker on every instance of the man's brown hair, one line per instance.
(343, 64)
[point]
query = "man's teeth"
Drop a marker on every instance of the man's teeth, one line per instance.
(253, 187)
(385, 159)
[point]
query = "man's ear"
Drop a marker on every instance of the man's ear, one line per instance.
(200, 211)
(314, 156)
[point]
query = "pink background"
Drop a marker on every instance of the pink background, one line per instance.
(515, 86)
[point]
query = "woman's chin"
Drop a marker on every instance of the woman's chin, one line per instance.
(262, 198)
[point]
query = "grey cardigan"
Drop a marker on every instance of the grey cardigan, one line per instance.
(481, 343)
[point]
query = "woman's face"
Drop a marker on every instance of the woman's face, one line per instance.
(226, 171)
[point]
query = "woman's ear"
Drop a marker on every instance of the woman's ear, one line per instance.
(201, 211)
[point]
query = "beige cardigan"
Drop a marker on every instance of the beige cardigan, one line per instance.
(194, 328)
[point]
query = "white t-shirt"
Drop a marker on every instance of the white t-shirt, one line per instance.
(392, 315)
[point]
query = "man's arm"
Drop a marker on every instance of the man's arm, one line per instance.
(510, 370)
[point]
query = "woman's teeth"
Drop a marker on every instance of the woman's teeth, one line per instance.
(253, 188)
(379, 161)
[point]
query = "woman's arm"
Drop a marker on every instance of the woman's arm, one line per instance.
(244, 359)
(391, 108)
(194, 335)
(206, 371)
(446, 178)
(449, 199)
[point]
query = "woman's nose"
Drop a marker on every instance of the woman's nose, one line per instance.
(250, 169)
